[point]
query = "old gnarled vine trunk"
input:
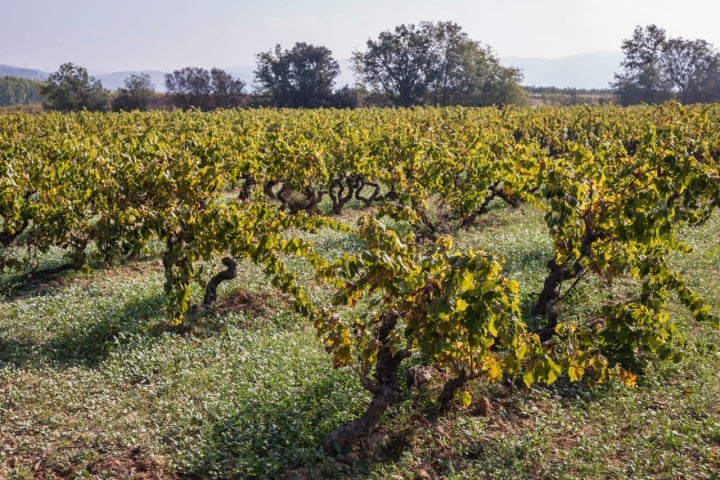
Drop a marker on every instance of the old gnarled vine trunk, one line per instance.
(385, 390)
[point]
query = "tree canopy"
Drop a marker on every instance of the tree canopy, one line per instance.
(20, 91)
(71, 88)
(137, 94)
(435, 63)
(300, 77)
(196, 87)
(657, 68)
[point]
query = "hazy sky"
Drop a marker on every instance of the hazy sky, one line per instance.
(111, 35)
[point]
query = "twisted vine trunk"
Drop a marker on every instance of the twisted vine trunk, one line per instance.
(550, 294)
(211, 289)
(385, 390)
(247, 187)
(339, 194)
(450, 388)
(374, 195)
(547, 298)
(78, 261)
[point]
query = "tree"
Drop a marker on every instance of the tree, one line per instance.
(227, 91)
(658, 68)
(347, 97)
(436, 63)
(19, 91)
(137, 94)
(400, 65)
(189, 87)
(301, 77)
(644, 79)
(466, 73)
(693, 67)
(71, 88)
(196, 87)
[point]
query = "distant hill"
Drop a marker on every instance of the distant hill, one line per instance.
(115, 80)
(585, 71)
(111, 81)
(19, 72)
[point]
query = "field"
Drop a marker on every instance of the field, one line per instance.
(105, 373)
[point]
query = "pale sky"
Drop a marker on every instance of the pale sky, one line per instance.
(112, 35)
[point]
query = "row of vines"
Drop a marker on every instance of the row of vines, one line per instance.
(616, 185)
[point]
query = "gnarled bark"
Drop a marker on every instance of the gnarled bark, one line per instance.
(550, 294)
(340, 194)
(449, 389)
(211, 289)
(248, 184)
(385, 389)
(374, 195)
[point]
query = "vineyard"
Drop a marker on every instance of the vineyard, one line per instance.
(387, 238)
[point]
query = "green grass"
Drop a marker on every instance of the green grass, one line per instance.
(91, 386)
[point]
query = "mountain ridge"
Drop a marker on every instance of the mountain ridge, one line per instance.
(21, 72)
(587, 71)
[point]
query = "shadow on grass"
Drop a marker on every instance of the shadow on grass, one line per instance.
(278, 438)
(281, 438)
(88, 344)
(528, 260)
(16, 284)
(99, 329)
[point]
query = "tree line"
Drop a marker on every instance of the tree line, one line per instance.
(18, 91)
(658, 68)
(431, 63)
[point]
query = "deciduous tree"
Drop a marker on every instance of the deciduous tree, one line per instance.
(227, 92)
(196, 87)
(19, 91)
(189, 87)
(300, 77)
(657, 68)
(435, 63)
(693, 67)
(137, 94)
(71, 88)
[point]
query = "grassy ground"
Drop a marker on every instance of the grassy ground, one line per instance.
(91, 387)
